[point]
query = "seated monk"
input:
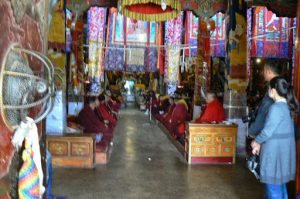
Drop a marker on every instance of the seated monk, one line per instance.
(105, 113)
(107, 96)
(151, 103)
(167, 115)
(177, 121)
(88, 119)
(113, 104)
(162, 105)
(214, 111)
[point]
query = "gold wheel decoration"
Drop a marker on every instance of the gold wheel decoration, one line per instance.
(150, 10)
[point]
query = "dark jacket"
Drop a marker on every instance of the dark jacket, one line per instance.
(260, 116)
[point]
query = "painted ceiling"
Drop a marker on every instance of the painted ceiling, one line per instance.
(204, 8)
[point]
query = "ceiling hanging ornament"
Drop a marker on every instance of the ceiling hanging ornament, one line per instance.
(151, 10)
(204, 8)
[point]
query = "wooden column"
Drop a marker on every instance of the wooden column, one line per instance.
(297, 91)
(202, 74)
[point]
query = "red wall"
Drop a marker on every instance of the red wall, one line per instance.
(21, 22)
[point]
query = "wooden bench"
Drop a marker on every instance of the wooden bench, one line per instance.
(210, 143)
(103, 151)
(178, 145)
(78, 150)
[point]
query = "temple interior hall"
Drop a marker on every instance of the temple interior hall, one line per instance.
(145, 164)
(175, 99)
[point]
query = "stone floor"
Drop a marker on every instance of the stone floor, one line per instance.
(145, 164)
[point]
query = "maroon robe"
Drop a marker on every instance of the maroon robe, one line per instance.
(178, 118)
(91, 123)
(167, 116)
(115, 106)
(214, 112)
(106, 115)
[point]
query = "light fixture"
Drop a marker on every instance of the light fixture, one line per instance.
(258, 60)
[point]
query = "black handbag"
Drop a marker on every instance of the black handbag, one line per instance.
(253, 165)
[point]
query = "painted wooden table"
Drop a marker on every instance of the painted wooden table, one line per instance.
(210, 143)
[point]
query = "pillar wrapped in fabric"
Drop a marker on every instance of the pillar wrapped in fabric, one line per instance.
(151, 10)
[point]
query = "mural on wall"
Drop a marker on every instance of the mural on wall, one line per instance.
(271, 34)
(236, 47)
(131, 53)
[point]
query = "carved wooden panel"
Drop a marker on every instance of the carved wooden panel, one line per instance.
(80, 149)
(58, 147)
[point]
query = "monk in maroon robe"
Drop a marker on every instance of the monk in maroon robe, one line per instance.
(105, 113)
(107, 96)
(214, 111)
(167, 116)
(89, 119)
(113, 104)
(179, 117)
(152, 103)
(160, 108)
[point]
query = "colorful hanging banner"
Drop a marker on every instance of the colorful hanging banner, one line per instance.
(173, 34)
(270, 34)
(217, 37)
(130, 51)
(96, 26)
(191, 26)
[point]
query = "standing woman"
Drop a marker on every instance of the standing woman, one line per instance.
(276, 142)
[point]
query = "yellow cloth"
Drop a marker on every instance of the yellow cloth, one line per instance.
(59, 60)
(182, 101)
(57, 28)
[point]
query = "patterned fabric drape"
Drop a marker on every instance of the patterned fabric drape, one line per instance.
(271, 34)
(173, 34)
(138, 34)
(96, 27)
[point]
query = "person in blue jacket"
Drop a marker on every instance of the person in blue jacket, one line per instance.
(272, 68)
(275, 144)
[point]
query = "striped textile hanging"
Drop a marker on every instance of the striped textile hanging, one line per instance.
(28, 176)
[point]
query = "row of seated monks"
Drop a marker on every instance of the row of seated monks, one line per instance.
(99, 115)
(173, 113)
